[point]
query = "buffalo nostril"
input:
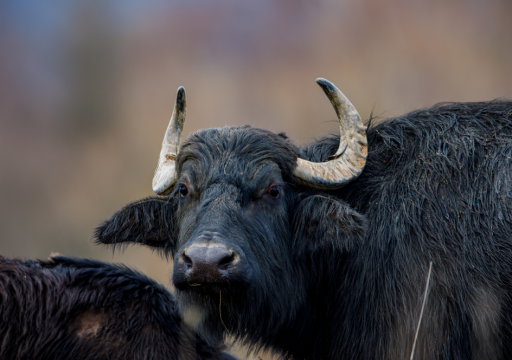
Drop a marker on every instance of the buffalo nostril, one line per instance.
(226, 261)
(187, 260)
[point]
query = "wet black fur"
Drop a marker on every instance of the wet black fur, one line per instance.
(81, 309)
(341, 274)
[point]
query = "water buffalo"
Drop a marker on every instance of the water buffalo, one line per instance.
(82, 309)
(323, 251)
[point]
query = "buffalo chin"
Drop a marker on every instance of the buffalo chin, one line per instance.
(201, 311)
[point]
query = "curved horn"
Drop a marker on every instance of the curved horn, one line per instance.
(349, 161)
(165, 174)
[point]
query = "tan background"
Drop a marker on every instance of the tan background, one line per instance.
(87, 88)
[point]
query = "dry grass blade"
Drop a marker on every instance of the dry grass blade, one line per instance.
(220, 311)
(422, 308)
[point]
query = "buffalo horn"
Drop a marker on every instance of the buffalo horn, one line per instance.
(349, 161)
(165, 174)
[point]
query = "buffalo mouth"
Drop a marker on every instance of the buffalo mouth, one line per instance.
(226, 284)
(208, 288)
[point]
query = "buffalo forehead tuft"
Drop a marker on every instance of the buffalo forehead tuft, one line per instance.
(237, 151)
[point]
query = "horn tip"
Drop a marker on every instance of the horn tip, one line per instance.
(181, 98)
(181, 92)
(326, 84)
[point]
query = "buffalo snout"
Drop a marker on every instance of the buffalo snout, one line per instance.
(205, 264)
(208, 262)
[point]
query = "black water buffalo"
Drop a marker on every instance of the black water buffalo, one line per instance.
(82, 309)
(322, 256)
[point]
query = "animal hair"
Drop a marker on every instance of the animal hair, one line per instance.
(66, 308)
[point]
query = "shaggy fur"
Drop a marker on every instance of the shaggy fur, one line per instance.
(341, 274)
(82, 309)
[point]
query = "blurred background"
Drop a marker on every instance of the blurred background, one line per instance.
(87, 89)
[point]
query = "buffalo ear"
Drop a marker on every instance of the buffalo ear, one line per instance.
(323, 222)
(149, 221)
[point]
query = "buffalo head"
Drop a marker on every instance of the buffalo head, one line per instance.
(249, 219)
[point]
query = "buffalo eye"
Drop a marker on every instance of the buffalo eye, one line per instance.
(274, 191)
(183, 190)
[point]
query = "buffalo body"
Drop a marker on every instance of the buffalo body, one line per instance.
(81, 309)
(341, 274)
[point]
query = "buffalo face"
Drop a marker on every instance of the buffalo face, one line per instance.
(232, 204)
